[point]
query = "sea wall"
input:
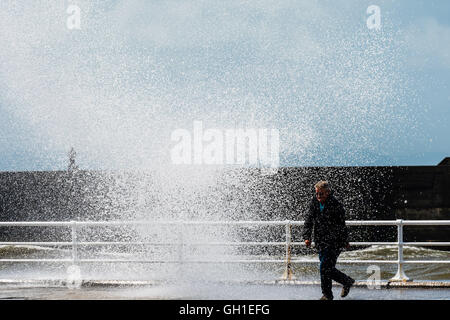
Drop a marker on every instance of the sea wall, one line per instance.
(369, 193)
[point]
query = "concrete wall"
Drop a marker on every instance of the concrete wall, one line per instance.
(423, 193)
(372, 193)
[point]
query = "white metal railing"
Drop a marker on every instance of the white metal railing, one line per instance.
(288, 243)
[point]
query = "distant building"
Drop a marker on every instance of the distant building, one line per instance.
(445, 162)
(72, 160)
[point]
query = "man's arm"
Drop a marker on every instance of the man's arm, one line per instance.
(343, 227)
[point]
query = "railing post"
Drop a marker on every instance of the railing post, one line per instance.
(288, 274)
(74, 279)
(180, 248)
(74, 242)
(400, 275)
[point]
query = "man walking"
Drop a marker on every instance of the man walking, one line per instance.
(326, 216)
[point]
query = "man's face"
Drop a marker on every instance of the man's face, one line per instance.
(322, 194)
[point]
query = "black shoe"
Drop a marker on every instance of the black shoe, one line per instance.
(324, 297)
(346, 289)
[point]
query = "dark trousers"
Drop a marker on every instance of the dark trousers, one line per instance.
(328, 271)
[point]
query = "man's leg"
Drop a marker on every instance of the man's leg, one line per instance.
(326, 266)
(337, 275)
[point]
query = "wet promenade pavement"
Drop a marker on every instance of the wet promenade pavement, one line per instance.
(218, 291)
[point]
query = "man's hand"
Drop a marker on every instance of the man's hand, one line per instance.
(308, 243)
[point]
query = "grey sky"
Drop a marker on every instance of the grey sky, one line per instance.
(339, 93)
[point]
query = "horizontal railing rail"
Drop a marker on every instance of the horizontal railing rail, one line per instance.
(237, 222)
(288, 243)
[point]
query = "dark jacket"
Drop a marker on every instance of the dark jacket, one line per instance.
(328, 226)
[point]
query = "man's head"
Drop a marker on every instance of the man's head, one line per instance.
(323, 190)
